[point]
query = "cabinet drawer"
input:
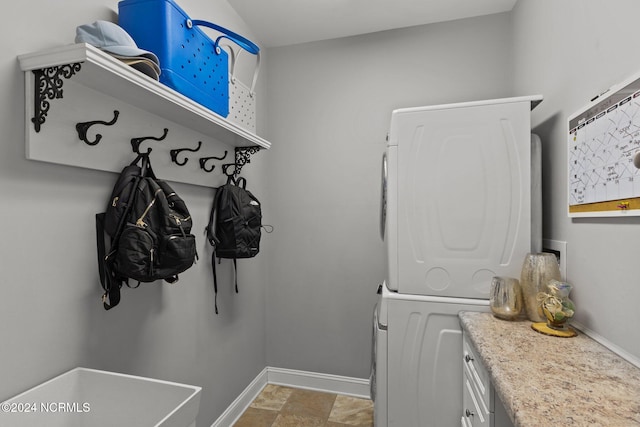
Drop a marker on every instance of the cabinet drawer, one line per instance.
(473, 412)
(478, 376)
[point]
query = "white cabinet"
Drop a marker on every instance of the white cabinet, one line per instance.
(481, 404)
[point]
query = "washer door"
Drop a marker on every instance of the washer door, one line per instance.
(379, 370)
(424, 350)
(374, 345)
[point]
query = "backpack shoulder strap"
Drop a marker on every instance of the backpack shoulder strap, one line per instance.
(210, 231)
(211, 227)
(215, 277)
(215, 280)
(147, 171)
(241, 182)
(108, 280)
(111, 296)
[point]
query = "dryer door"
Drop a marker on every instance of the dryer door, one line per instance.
(463, 198)
(383, 197)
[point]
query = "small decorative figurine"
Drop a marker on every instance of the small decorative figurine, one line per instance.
(557, 308)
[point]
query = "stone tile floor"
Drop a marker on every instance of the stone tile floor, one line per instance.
(279, 406)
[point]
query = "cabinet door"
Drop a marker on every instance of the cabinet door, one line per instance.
(478, 375)
(472, 414)
(481, 404)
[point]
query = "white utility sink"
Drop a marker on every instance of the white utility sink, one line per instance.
(92, 398)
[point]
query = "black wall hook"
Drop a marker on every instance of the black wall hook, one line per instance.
(174, 154)
(233, 173)
(204, 160)
(83, 128)
(135, 142)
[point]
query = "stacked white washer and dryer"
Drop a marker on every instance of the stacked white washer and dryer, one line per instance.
(461, 203)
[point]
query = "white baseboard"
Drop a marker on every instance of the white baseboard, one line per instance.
(328, 383)
(242, 402)
(349, 386)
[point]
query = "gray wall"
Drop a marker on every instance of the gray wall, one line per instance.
(51, 317)
(329, 107)
(306, 300)
(570, 51)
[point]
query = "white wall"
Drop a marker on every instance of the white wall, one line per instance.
(329, 107)
(51, 316)
(570, 51)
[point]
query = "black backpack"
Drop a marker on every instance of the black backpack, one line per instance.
(234, 226)
(148, 226)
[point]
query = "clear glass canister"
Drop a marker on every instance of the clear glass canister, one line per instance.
(505, 299)
(556, 305)
(537, 270)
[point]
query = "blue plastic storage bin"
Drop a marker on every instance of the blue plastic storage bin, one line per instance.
(189, 60)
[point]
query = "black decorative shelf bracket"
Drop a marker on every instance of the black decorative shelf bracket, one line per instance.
(243, 156)
(83, 127)
(48, 86)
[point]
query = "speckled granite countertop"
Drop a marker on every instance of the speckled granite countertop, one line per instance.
(550, 381)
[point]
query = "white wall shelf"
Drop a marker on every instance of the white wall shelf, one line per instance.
(101, 84)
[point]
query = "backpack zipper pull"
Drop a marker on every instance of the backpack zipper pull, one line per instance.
(140, 221)
(151, 263)
(179, 224)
